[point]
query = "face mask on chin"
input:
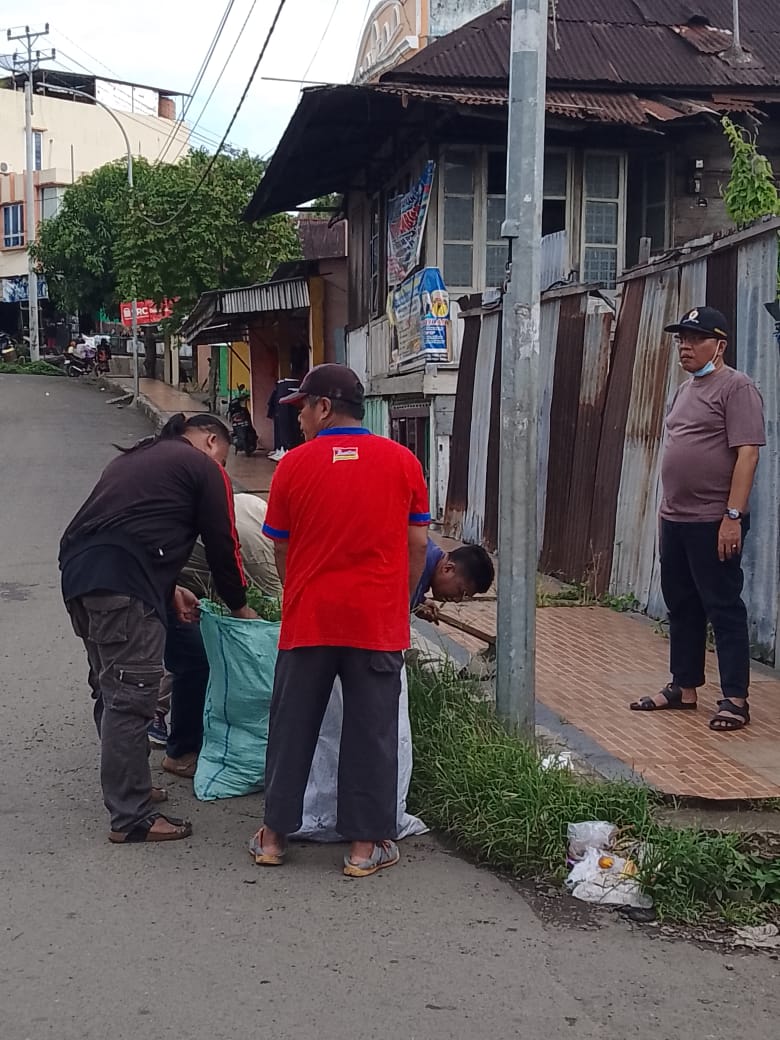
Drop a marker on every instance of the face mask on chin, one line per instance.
(705, 370)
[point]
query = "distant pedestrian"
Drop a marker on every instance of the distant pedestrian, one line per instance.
(714, 430)
(103, 356)
(348, 512)
(120, 558)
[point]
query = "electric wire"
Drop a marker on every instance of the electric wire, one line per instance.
(242, 99)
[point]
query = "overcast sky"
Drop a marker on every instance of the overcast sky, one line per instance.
(163, 43)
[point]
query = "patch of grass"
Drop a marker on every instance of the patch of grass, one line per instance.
(486, 789)
(581, 595)
(32, 368)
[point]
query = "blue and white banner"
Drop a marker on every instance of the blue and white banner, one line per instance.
(406, 217)
(15, 289)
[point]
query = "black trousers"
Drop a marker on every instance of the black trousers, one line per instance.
(185, 659)
(697, 587)
(368, 755)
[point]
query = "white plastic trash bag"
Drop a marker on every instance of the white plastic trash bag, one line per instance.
(321, 803)
(607, 879)
(591, 834)
(598, 874)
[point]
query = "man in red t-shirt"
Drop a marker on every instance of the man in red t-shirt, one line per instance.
(348, 512)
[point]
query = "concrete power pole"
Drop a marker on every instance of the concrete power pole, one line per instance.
(30, 63)
(517, 534)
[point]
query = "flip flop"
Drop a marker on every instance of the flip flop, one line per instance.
(142, 832)
(385, 854)
(159, 795)
(261, 857)
(674, 701)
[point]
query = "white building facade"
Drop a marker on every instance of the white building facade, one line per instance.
(71, 137)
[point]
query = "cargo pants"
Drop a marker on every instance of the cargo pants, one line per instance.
(125, 642)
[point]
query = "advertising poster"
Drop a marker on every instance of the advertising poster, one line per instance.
(406, 216)
(15, 289)
(420, 312)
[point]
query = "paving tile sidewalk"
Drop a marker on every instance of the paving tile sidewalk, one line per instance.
(592, 661)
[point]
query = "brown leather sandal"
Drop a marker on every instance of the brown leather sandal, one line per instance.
(674, 701)
(184, 767)
(730, 717)
(142, 832)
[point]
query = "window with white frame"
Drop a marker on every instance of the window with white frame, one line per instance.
(603, 217)
(647, 204)
(13, 225)
(37, 149)
(472, 192)
(496, 248)
(459, 175)
(51, 200)
(655, 202)
(555, 208)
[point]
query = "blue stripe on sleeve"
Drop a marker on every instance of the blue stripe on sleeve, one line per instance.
(271, 532)
(419, 518)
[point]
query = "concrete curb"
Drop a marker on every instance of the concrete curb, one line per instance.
(144, 404)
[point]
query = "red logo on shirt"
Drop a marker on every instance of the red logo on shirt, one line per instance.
(345, 455)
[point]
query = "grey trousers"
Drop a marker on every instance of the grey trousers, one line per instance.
(368, 755)
(125, 642)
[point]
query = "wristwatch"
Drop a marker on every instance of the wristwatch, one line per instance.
(733, 514)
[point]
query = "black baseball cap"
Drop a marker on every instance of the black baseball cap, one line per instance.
(702, 319)
(336, 382)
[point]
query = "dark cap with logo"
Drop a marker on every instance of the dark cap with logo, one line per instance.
(336, 382)
(705, 320)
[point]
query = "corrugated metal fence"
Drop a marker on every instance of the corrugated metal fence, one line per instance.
(605, 387)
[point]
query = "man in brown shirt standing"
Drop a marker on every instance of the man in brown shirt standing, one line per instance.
(714, 430)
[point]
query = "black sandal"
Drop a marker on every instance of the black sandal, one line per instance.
(738, 717)
(143, 832)
(674, 701)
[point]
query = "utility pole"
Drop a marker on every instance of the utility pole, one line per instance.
(30, 64)
(517, 497)
(72, 91)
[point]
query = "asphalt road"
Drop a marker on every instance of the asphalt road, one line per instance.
(191, 940)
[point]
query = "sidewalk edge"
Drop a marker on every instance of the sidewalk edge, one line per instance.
(587, 751)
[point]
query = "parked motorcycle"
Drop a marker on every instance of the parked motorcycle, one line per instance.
(244, 433)
(76, 366)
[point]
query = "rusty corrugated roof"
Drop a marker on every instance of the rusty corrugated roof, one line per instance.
(624, 108)
(465, 95)
(320, 240)
(621, 43)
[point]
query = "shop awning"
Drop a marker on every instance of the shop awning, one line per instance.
(226, 307)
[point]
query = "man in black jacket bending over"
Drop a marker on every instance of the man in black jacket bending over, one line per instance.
(120, 558)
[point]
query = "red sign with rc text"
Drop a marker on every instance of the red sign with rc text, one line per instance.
(148, 312)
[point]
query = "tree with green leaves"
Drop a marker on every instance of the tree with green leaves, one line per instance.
(751, 192)
(108, 244)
